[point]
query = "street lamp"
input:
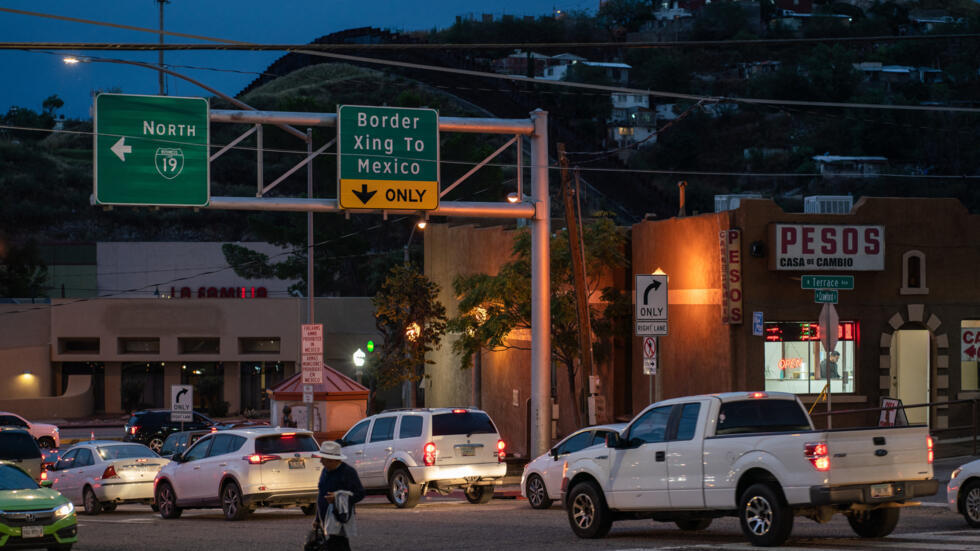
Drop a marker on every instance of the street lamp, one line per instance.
(420, 225)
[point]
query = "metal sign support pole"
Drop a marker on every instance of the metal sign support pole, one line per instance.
(659, 394)
(540, 289)
(309, 252)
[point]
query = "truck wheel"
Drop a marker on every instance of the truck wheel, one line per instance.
(693, 524)
(874, 524)
(402, 491)
(587, 511)
(537, 494)
(765, 520)
(970, 503)
(479, 494)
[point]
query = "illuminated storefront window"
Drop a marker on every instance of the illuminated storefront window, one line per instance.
(795, 360)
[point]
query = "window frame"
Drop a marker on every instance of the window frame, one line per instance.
(921, 289)
(389, 435)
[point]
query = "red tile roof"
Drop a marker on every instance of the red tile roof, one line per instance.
(335, 385)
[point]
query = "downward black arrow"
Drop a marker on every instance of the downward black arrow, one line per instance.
(646, 294)
(364, 195)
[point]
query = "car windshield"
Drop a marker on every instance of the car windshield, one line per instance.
(286, 443)
(18, 445)
(124, 451)
(12, 478)
(470, 422)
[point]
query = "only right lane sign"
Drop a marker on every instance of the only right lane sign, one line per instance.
(651, 305)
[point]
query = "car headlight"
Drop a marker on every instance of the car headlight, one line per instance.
(956, 473)
(65, 510)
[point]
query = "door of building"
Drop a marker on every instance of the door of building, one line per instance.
(910, 369)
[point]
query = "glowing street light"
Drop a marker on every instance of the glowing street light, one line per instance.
(359, 357)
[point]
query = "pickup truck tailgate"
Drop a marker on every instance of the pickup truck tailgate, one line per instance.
(878, 454)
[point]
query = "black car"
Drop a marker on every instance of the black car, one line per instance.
(152, 427)
(179, 441)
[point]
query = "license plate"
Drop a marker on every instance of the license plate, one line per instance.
(467, 451)
(32, 531)
(297, 464)
(881, 490)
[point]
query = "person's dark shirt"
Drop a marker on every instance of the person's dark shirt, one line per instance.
(832, 365)
(343, 477)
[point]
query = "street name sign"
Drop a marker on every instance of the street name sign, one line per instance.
(651, 305)
(387, 158)
(311, 350)
(825, 296)
(181, 403)
(151, 150)
(844, 282)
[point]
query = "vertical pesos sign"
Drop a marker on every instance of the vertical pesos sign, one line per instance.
(311, 360)
(388, 158)
(730, 242)
(151, 150)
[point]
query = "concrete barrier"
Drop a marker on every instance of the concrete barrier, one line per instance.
(77, 401)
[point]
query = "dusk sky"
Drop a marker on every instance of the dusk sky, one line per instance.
(30, 77)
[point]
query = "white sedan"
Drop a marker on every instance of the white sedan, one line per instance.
(963, 492)
(100, 474)
(541, 481)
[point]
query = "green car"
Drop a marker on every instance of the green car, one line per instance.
(32, 516)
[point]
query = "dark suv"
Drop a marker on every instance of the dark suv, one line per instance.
(17, 446)
(151, 427)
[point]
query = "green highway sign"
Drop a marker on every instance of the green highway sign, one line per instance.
(844, 282)
(151, 150)
(825, 296)
(388, 158)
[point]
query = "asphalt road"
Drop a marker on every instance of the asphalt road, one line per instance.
(451, 523)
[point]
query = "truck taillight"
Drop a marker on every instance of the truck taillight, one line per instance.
(429, 454)
(501, 453)
(259, 458)
(930, 454)
(818, 454)
(109, 472)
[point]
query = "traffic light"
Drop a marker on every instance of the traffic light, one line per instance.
(370, 346)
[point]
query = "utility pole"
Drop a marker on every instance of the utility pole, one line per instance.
(162, 77)
(581, 292)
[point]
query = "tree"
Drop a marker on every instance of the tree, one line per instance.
(412, 320)
(491, 307)
(22, 272)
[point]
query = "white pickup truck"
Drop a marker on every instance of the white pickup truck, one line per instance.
(754, 455)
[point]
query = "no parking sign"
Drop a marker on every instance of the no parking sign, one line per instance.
(649, 355)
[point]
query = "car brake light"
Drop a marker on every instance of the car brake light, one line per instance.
(459, 410)
(429, 454)
(818, 454)
(44, 475)
(759, 395)
(501, 453)
(259, 458)
(133, 429)
(288, 434)
(109, 472)
(930, 454)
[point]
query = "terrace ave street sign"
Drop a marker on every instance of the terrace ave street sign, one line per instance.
(844, 282)
(151, 150)
(387, 158)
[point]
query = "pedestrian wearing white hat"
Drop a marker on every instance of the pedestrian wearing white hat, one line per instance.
(339, 489)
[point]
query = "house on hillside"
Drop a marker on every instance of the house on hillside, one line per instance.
(840, 165)
(631, 120)
(876, 73)
(617, 73)
(517, 63)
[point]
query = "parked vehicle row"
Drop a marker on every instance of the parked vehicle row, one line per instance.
(47, 436)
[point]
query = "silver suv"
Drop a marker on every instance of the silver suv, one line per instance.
(408, 452)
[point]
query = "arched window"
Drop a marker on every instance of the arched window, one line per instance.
(914, 274)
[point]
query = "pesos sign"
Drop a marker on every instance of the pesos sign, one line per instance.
(388, 158)
(151, 150)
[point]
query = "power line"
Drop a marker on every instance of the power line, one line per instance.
(584, 169)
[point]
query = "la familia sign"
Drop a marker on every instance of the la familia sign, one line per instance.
(388, 158)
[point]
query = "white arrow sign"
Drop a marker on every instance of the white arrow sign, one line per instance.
(121, 149)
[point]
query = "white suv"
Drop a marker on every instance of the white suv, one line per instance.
(239, 470)
(47, 436)
(410, 451)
